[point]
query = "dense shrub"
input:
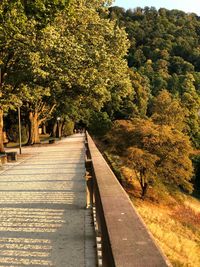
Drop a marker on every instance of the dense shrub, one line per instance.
(13, 133)
(68, 128)
(99, 123)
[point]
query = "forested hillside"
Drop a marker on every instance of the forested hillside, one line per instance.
(165, 50)
(163, 59)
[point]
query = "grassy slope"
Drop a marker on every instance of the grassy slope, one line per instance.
(172, 217)
(176, 229)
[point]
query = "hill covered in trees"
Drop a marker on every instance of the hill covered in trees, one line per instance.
(164, 50)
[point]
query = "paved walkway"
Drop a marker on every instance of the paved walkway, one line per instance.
(42, 208)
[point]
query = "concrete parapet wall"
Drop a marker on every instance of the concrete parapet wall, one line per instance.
(126, 241)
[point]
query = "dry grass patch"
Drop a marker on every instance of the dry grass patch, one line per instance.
(187, 216)
(193, 204)
(179, 240)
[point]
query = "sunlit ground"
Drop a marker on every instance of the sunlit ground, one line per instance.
(30, 220)
(25, 251)
(28, 251)
(42, 207)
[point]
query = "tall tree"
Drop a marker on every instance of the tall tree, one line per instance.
(168, 110)
(191, 101)
(89, 68)
(156, 153)
(12, 63)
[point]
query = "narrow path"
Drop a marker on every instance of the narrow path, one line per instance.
(42, 207)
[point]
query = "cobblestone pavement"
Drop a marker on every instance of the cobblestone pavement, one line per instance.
(42, 207)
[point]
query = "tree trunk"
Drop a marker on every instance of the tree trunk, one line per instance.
(59, 129)
(44, 130)
(62, 128)
(1, 132)
(54, 129)
(33, 129)
(144, 190)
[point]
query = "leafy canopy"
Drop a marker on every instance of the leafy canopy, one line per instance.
(156, 152)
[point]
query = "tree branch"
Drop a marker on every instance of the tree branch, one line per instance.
(48, 115)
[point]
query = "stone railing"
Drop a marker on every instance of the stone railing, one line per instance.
(124, 238)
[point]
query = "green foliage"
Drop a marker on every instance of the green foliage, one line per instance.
(141, 90)
(13, 133)
(167, 110)
(59, 55)
(44, 11)
(89, 66)
(99, 123)
(112, 160)
(164, 48)
(68, 128)
(69, 57)
(191, 101)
